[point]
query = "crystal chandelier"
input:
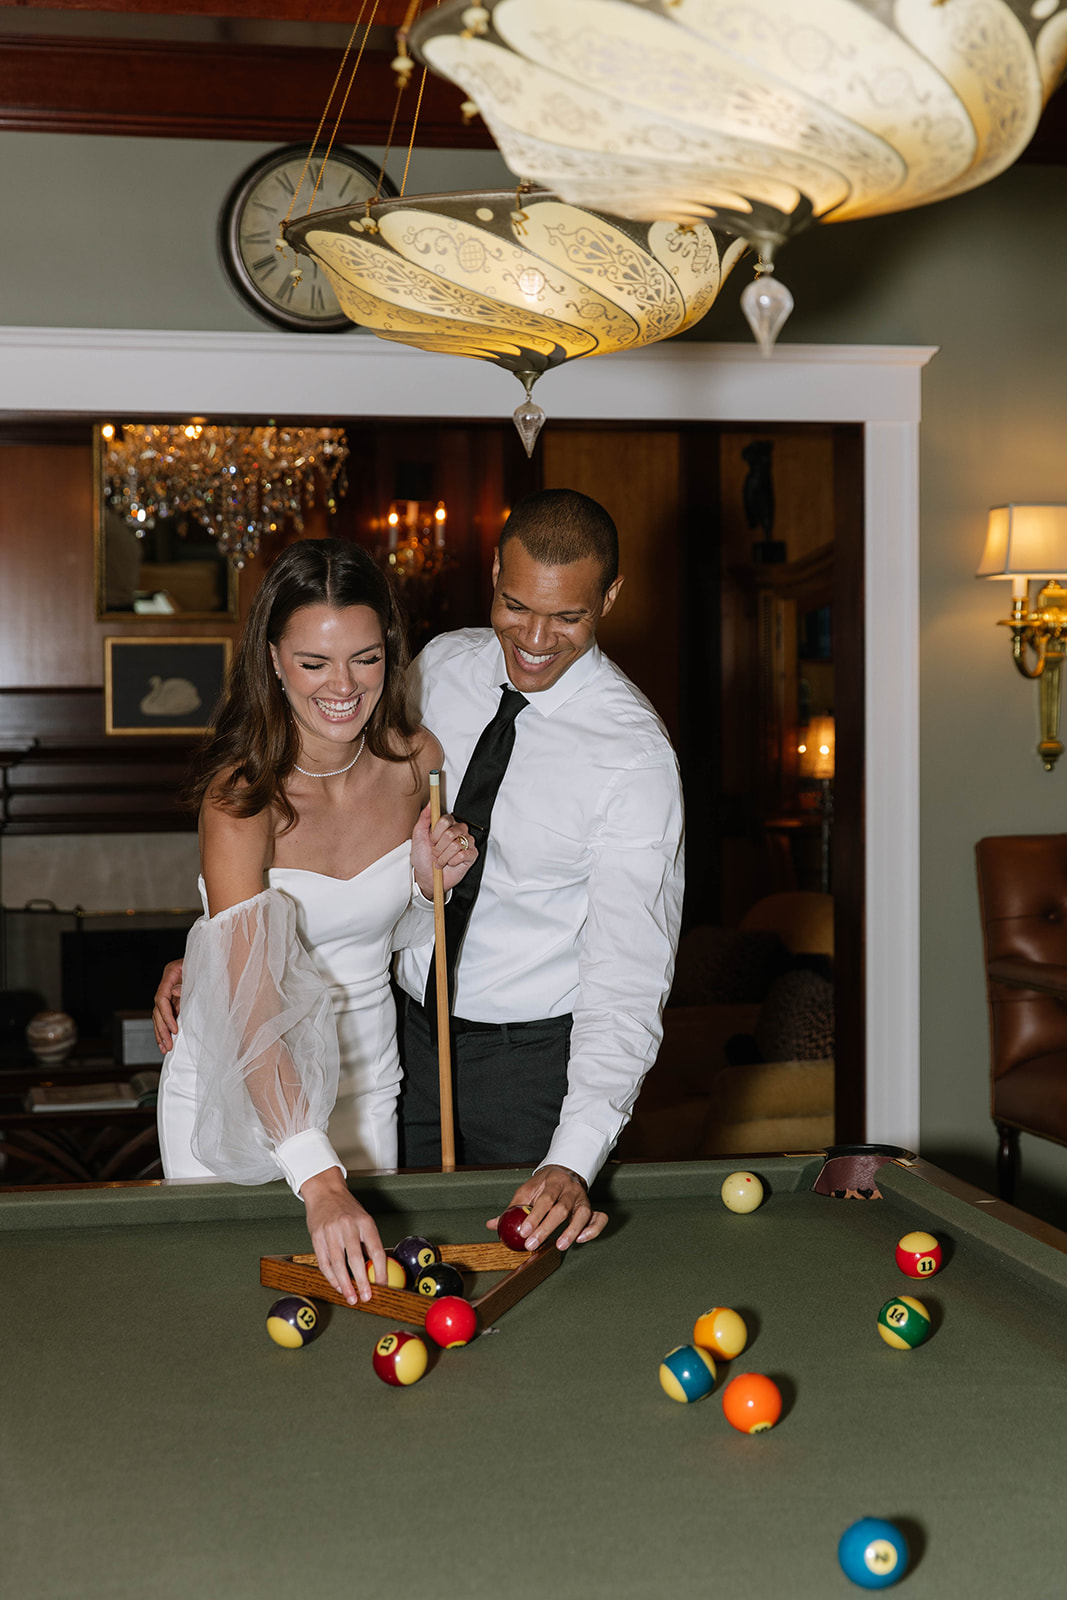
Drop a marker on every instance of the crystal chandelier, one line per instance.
(239, 482)
(519, 279)
(763, 117)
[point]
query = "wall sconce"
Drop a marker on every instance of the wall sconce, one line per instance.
(1024, 543)
(816, 750)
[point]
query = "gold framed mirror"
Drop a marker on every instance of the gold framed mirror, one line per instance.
(169, 570)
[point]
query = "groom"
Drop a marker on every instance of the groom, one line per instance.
(564, 960)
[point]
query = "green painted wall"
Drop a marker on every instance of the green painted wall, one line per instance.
(115, 232)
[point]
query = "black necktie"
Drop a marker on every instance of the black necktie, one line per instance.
(474, 808)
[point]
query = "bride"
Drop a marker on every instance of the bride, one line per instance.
(317, 858)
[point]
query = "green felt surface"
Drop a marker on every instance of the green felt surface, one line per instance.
(155, 1444)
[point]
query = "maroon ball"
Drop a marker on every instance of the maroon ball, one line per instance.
(509, 1225)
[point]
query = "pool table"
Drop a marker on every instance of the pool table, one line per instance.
(156, 1445)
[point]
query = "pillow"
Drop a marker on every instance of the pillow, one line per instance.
(796, 1020)
(726, 966)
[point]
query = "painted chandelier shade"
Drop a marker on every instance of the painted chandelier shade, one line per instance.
(764, 116)
(525, 282)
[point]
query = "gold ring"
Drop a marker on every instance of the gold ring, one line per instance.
(464, 843)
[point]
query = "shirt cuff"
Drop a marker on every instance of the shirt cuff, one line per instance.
(417, 896)
(305, 1155)
(581, 1148)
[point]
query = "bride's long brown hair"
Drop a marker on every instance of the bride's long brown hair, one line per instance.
(254, 745)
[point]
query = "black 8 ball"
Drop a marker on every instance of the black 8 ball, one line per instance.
(441, 1279)
(415, 1254)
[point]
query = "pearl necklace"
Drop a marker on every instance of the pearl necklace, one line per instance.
(340, 770)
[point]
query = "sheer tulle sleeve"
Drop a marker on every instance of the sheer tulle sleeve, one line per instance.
(260, 1025)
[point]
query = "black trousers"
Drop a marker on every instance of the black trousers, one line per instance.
(509, 1081)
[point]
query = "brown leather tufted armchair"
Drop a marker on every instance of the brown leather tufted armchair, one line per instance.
(1022, 886)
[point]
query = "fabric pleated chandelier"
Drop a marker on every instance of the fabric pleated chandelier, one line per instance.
(520, 279)
(759, 117)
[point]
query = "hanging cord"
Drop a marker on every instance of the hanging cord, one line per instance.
(344, 102)
(326, 112)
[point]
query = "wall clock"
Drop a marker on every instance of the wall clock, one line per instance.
(248, 232)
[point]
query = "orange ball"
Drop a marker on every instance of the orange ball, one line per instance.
(751, 1403)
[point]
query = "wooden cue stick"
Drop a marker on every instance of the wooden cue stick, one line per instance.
(444, 1043)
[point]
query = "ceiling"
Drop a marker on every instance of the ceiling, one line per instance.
(263, 71)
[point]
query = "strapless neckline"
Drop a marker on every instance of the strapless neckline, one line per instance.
(307, 872)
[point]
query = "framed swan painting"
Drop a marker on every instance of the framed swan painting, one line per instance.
(163, 686)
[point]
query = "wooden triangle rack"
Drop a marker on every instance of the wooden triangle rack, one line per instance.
(300, 1275)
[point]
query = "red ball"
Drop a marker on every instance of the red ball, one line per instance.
(400, 1358)
(451, 1322)
(509, 1225)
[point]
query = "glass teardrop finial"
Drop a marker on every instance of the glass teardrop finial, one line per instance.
(529, 419)
(766, 303)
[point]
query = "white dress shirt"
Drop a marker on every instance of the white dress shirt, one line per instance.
(580, 901)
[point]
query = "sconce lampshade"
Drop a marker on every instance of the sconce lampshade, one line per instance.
(1025, 542)
(816, 749)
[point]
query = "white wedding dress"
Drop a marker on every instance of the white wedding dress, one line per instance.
(287, 1024)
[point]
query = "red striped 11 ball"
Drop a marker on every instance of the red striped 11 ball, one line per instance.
(919, 1255)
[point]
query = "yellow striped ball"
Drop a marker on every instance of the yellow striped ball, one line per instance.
(721, 1331)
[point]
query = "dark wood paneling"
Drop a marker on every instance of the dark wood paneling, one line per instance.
(390, 12)
(213, 91)
(60, 773)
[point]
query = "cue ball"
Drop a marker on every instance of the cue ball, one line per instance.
(434, 1282)
(292, 1321)
(873, 1553)
(721, 1331)
(395, 1276)
(904, 1322)
(919, 1255)
(400, 1358)
(414, 1253)
(742, 1192)
(687, 1373)
(451, 1322)
(509, 1225)
(751, 1403)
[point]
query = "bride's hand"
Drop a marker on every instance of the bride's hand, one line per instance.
(448, 846)
(341, 1231)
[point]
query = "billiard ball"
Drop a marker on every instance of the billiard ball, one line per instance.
(721, 1331)
(873, 1553)
(742, 1192)
(414, 1253)
(400, 1358)
(396, 1277)
(509, 1225)
(451, 1322)
(292, 1321)
(751, 1403)
(687, 1373)
(433, 1282)
(904, 1322)
(919, 1255)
